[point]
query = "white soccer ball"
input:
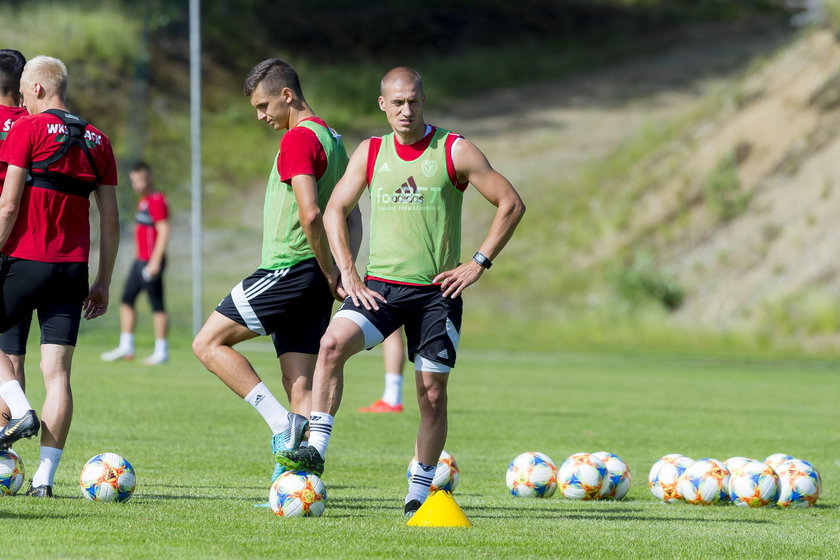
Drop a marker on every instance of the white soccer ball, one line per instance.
(298, 494)
(11, 472)
(705, 483)
(754, 484)
(532, 475)
(800, 484)
(734, 463)
(777, 459)
(582, 476)
(108, 477)
(665, 474)
(618, 476)
(447, 474)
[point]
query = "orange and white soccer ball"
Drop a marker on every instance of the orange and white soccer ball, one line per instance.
(582, 477)
(11, 472)
(447, 473)
(800, 484)
(705, 483)
(108, 477)
(531, 475)
(298, 494)
(776, 459)
(618, 476)
(664, 477)
(754, 484)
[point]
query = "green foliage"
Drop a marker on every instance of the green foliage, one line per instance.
(723, 189)
(202, 461)
(642, 279)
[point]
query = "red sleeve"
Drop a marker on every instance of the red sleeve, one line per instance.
(373, 151)
(17, 148)
(158, 209)
(300, 151)
(106, 163)
(450, 162)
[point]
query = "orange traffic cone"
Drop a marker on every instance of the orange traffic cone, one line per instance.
(439, 510)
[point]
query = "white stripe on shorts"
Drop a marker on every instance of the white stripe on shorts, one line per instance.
(372, 334)
(241, 298)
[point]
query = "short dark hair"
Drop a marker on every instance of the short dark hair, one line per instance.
(11, 67)
(141, 166)
(275, 74)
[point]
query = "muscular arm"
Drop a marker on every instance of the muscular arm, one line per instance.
(471, 165)
(344, 240)
(10, 201)
(159, 250)
(96, 303)
(306, 193)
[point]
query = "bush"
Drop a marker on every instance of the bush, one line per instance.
(643, 280)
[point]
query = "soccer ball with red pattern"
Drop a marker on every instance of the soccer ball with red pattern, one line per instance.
(582, 477)
(664, 477)
(298, 494)
(753, 484)
(532, 475)
(11, 472)
(705, 483)
(800, 484)
(108, 477)
(447, 473)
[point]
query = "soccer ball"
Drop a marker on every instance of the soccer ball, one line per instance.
(705, 483)
(777, 459)
(11, 472)
(298, 494)
(447, 474)
(800, 484)
(532, 475)
(733, 464)
(582, 477)
(107, 477)
(754, 484)
(618, 476)
(665, 474)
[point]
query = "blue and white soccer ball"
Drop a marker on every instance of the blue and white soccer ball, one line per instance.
(582, 476)
(11, 472)
(664, 477)
(754, 484)
(800, 484)
(776, 459)
(531, 475)
(733, 464)
(298, 494)
(108, 477)
(618, 476)
(705, 483)
(447, 474)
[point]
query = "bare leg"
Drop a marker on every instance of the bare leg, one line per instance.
(213, 347)
(343, 339)
(297, 371)
(58, 403)
(128, 318)
(161, 324)
(432, 398)
(394, 352)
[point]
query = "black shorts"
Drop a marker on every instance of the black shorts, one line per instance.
(432, 322)
(13, 341)
(292, 304)
(135, 283)
(56, 290)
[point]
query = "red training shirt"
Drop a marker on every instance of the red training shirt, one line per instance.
(8, 115)
(151, 209)
(53, 226)
(301, 153)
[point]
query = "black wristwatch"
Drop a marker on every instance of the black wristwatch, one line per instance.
(482, 259)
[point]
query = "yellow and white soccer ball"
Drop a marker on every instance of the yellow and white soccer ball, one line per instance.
(754, 484)
(618, 476)
(705, 483)
(11, 472)
(582, 476)
(298, 494)
(108, 477)
(664, 477)
(531, 475)
(800, 484)
(776, 459)
(447, 473)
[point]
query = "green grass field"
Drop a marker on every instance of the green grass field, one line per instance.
(202, 460)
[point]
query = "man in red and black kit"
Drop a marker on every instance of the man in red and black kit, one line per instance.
(13, 341)
(54, 160)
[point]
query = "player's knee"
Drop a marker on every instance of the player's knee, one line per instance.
(333, 347)
(200, 347)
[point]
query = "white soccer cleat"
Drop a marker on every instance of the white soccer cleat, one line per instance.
(118, 353)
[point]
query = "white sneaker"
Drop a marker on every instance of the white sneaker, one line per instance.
(156, 359)
(118, 353)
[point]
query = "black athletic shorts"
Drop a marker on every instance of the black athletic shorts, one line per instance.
(13, 341)
(135, 283)
(432, 322)
(292, 304)
(56, 290)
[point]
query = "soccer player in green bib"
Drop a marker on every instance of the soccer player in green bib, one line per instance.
(416, 177)
(290, 295)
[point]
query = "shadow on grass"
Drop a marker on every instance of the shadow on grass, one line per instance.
(596, 517)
